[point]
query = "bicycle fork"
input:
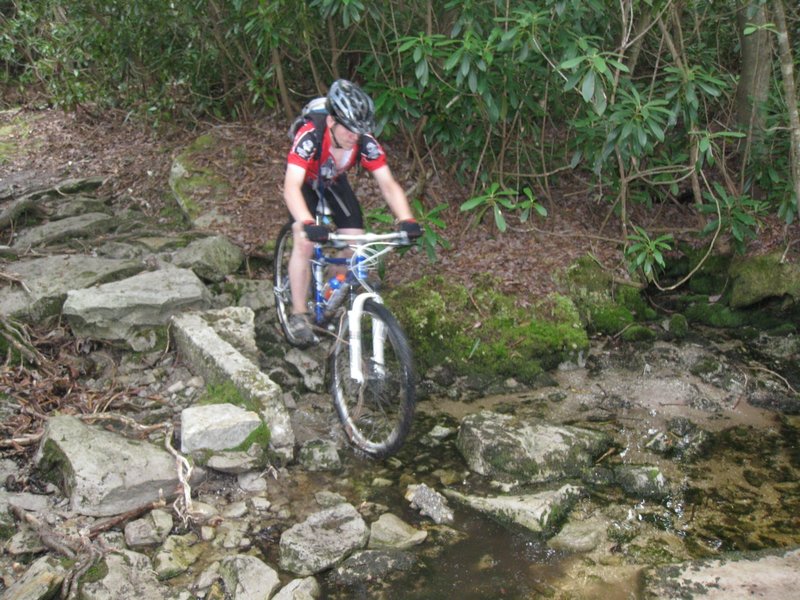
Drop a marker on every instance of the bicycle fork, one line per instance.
(378, 338)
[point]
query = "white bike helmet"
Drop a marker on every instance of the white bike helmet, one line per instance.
(349, 105)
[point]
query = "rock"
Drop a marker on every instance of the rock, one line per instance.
(580, 536)
(217, 360)
(430, 503)
(42, 579)
(372, 566)
(211, 259)
(322, 540)
(237, 462)
(539, 512)
(309, 368)
(148, 531)
(103, 473)
(65, 229)
(299, 589)
(135, 311)
(248, 578)
(125, 574)
(642, 481)
(773, 574)
(390, 531)
(47, 281)
(755, 278)
(498, 445)
(216, 427)
(320, 455)
(178, 553)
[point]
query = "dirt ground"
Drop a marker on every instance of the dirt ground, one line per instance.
(136, 160)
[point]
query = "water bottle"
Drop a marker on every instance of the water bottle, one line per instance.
(361, 267)
(334, 283)
(338, 294)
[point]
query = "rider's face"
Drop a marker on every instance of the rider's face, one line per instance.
(346, 139)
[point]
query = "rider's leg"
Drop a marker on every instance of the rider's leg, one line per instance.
(299, 269)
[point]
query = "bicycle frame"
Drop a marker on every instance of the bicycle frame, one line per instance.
(367, 249)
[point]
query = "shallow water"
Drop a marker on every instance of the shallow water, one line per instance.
(739, 492)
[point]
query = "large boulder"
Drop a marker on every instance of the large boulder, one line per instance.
(501, 446)
(104, 473)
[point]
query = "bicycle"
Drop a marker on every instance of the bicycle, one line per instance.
(372, 375)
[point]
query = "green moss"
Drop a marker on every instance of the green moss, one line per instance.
(97, 572)
(483, 333)
(638, 333)
(55, 468)
(605, 317)
(260, 435)
(715, 315)
(227, 393)
(678, 326)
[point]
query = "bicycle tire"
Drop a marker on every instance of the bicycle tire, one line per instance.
(377, 414)
(280, 280)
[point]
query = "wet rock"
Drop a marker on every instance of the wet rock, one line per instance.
(252, 481)
(580, 536)
(499, 445)
(237, 462)
(178, 553)
(773, 574)
(104, 473)
(326, 498)
(248, 578)
(320, 455)
(322, 540)
(299, 589)
(127, 574)
(430, 503)
(308, 367)
(216, 427)
(212, 258)
(148, 531)
(135, 311)
(372, 565)
(539, 512)
(390, 531)
(42, 579)
(642, 481)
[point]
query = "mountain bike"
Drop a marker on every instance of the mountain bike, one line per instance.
(370, 364)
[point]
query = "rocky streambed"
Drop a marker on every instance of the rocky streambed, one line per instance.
(200, 457)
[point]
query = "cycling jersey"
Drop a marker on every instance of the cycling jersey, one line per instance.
(368, 152)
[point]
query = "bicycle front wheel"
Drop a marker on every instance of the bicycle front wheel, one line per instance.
(376, 411)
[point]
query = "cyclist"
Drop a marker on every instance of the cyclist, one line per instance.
(345, 139)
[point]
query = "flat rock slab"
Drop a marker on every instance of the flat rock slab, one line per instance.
(769, 575)
(65, 229)
(131, 310)
(43, 283)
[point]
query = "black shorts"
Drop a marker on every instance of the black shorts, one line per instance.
(345, 209)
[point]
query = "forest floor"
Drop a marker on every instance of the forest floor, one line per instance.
(136, 159)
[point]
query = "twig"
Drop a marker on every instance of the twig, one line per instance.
(771, 372)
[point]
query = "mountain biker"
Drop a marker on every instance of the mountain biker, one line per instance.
(346, 139)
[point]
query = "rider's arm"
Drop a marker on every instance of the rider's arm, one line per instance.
(393, 193)
(295, 202)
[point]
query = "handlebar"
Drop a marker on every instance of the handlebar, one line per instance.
(396, 237)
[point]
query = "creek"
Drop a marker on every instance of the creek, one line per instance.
(732, 471)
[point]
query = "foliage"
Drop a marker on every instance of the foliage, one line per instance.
(740, 215)
(476, 87)
(646, 253)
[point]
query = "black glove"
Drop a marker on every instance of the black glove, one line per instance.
(315, 233)
(411, 228)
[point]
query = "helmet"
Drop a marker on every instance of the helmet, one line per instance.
(349, 105)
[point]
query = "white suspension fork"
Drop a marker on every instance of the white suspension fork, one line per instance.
(378, 336)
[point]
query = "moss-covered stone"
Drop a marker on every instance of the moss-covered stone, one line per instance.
(756, 278)
(678, 326)
(481, 332)
(715, 315)
(638, 333)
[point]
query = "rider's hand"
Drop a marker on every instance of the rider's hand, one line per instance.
(315, 233)
(411, 228)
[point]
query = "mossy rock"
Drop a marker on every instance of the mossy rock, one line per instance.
(678, 326)
(502, 340)
(757, 278)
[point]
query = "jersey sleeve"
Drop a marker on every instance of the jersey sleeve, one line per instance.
(372, 155)
(304, 147)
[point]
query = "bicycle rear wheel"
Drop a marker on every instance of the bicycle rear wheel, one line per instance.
(280, 280)
(376, 413)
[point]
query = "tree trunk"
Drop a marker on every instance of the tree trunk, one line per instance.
(789, 90)
(756, 70)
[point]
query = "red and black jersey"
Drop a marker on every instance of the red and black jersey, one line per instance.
(304, 153)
